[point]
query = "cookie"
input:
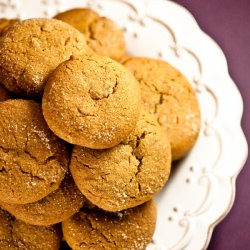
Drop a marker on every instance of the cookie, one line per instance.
(33, 161)
(54, 208)
(16, 235)
(31, 49)
(80, 18)
(103, 35)
(126, 175)
(91, 101)
(92, 229)
(5, 23)
(168, 95)
(4, 94)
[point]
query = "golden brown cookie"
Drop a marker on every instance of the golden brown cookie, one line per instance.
(91, 101)
(126, 175)
(130, 229)
(103, 35)
(33, 161)
(80, 18)
(31, 49)
(4, 94)
(16, 235)
(168, 95)
(5, 23)
(56, 207)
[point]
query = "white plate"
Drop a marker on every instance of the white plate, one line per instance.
(201, 189)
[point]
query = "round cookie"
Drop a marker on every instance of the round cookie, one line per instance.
(31, 49)
(16, 235)
(33, 161)
(168, 95)
(103, 35)
(4, 94)
(56, 207)
(130, 229)
(91, 101)
(80, 18)
(128, 174)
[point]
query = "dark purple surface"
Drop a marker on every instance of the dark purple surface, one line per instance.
(228, 23)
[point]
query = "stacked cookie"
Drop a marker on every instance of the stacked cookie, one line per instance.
(85, 141)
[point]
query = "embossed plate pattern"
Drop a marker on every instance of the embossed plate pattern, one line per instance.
(201, 189)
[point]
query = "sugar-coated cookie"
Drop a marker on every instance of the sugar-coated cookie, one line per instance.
(128, 174)
(168, 95)
(16, 235)
(103, 35)
(54, 208)
(130, 229)
(31, 49)
(91, 101)
(33, 161)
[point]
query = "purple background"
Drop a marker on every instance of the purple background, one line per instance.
(228, 23)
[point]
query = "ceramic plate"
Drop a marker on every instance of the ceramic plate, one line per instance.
(201, 188)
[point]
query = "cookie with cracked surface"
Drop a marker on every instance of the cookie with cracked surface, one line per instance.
(80, 18)
(95, 229)
(16, 235)
(128, 174)
(168, 95)
(31, 49)
(54, 208)
(103, 35)
(4, 94)
(33, 161)
(91, 101)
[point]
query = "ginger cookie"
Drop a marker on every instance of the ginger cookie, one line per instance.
(131, 229)
(31, 49)
(54, 208)
(128, 174)
(168, 95)
(91, 101)
(103, 35)
(80, 18)
(4, 94)
(33, 161)
(16, 235)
